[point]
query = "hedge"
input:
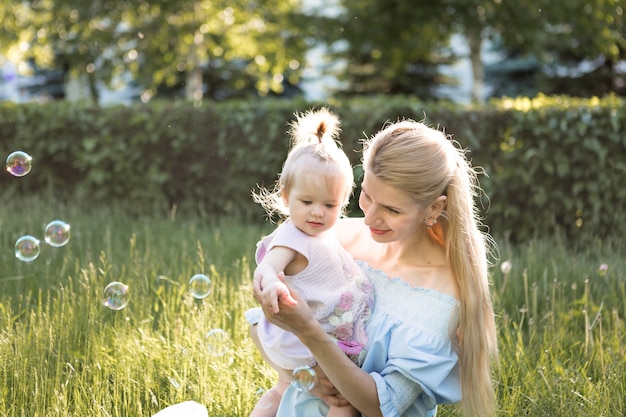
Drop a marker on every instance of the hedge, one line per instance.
(551, 163)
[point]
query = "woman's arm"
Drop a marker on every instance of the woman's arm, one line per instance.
(354, 384)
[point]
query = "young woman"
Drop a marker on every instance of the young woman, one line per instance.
(431, 332)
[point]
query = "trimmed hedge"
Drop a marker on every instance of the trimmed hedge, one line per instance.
(552, 163)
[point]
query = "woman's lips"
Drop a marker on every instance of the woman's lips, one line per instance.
(378, 231)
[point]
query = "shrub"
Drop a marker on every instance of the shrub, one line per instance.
(551, 162)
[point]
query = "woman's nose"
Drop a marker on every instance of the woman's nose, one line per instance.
(370, 215)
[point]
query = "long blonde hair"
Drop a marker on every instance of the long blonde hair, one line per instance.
(314, 152)
(425, 163)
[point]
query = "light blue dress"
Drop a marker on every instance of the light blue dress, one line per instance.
(410, 354)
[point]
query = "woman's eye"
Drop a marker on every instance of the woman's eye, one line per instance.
(393, 211)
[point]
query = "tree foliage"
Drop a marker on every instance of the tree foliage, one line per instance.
(566, 46)
(256, 45)
(397, 47)
(226, 49)
(389, 47)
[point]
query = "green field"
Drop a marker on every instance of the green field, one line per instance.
(63, 353)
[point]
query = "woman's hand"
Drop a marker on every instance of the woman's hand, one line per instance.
(270, 288)
(326, 391)
(296, 318)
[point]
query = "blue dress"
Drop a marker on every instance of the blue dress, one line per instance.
(410, 354)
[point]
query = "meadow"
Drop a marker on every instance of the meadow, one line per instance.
(560, 313)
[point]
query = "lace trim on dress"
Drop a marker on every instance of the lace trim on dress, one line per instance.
(433, 312)
(405, 391)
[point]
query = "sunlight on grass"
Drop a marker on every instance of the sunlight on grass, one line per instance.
(63, 353)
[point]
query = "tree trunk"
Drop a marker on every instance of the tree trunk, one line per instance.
(94, 94)
(474, 39)
(193, 90)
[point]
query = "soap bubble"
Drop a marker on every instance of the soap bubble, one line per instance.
(200, 286)
(116, 295)
(303, 378)
(217, 342)
(27, 248)
(19, 163)
(57, 233)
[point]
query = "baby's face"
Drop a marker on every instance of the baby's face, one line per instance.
(314, 205)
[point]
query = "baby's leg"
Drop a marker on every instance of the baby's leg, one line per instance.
(347, 411)
(267, 406)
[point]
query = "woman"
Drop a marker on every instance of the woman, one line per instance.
(432, 331)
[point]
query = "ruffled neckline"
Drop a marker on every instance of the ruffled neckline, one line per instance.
(399, 281)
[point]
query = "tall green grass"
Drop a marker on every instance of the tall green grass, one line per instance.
(62, 353)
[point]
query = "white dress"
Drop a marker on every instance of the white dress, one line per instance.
(333, 285)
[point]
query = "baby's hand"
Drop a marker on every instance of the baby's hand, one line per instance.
(275, 292)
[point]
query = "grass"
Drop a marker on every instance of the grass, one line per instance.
(62, 353)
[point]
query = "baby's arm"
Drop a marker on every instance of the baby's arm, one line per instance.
(269, 275)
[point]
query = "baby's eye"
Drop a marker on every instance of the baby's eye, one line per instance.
(330, 205)
(307, 202)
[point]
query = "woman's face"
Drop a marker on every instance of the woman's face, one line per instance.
(390, 213)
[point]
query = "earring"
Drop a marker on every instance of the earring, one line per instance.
(430, 222)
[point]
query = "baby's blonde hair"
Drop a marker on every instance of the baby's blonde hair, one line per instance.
(314, 152)
(425, 164)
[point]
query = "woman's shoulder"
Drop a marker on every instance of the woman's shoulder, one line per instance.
(353, 235)
(350, 225)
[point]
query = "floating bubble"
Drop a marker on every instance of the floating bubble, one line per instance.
(303, 378)
(19, 163)
(116, 295)
(57, 233)
(27, 248)
(200, 286)
(217, 342)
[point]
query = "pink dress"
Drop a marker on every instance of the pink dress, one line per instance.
(335, 288)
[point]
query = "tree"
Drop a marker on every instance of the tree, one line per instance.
(161, 43)
(565, 46)
(389, 46)
(394, 46)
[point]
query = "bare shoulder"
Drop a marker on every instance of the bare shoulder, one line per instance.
(349, 229)
(353, 235)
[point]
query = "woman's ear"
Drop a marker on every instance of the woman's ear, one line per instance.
(438, 206)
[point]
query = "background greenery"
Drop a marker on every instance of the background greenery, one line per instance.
(222, 49)
(550, 162)
(62, 353)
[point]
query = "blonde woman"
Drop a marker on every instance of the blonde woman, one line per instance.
(432, 335)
